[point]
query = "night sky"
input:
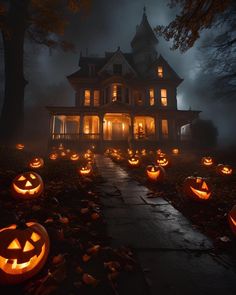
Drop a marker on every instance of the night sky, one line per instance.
(110, 24)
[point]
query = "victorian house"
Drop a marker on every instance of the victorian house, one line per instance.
(122, 99)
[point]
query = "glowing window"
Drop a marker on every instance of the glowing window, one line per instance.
(87, 97)
(151, 97)
(96, 100)
(91, 125)
(164, 128)
(164, 97)
(116, 92)
(160, 72)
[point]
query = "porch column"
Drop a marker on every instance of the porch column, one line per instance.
(101, 118)
(157, 126)
(81, 126)
(132, 127)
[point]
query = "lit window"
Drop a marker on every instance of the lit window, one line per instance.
(164, 97)
(116, 92)
(160, 72)
(151, 97)
(96, 98)
(87, 97)
(164, 128)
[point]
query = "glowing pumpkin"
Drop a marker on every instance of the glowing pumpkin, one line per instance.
(134, 161)
(232, 219)
(36, 163)
(53, 156)
(74, 157)
(197, 188)
(143, 152)
(155, 173)
(20, 146)
(23, 252)
(85, 170)
(27, 185)
(63, 154)
(61, 147)
(163, 160)
(175, 151)
(207, 161)
(224, 170)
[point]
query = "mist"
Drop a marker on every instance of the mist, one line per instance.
(108, 25)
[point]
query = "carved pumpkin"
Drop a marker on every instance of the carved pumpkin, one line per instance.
(143, 152)
(163, 160)
(27, 185)
(23, 252)
(175, 151)
(224, 170)
(155, 173)
(74, 157)
(134, 161)
(63, 154)
(207, 161)
(20, 146)
(232, 219)
(36, 163)
(85, 170)
(197, 188)
(61, 147)
(53, 156)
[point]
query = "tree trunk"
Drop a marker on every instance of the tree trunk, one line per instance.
(12, 116)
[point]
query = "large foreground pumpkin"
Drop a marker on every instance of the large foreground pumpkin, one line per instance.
(23, 252)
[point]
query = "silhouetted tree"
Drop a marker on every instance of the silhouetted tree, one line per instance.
(43, 22)
(204, 133)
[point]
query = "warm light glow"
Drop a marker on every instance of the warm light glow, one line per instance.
(15, 244)
(163, 97)
(96, 99)
(164, 128)
(35, 237)
(160, 71)
(28, 247)
(87, 97)
(151, 97)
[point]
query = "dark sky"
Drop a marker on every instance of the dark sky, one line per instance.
(110, 24)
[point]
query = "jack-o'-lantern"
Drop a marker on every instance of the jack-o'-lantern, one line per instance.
(36, 163)
(207, 161)
(175, 151)
(163, 160)
(134, 161)
(27, 185)
(224, 170)
(143, 152)
(61, 147)
(85, 170)
(155, 173)
(63, 154)
(53, 156)
(23, 252)
(20, 146)
(74, 157)
(232, 219)
(197, 188)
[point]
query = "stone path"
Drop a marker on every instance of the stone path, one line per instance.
(175, 258)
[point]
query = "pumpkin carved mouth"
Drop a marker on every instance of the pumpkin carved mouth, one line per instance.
(201, 194)
(27, 191)
(12, 267)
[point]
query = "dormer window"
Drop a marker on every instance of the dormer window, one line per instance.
(117, 69)
(160, 71)
(163, 97)
(91, 70)
(87, 97)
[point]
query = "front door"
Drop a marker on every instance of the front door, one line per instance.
(117, 131)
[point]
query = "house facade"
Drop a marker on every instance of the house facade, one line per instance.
(122, 99)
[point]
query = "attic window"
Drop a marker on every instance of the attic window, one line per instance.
(160, 71)
(91, 70)
(117, 69)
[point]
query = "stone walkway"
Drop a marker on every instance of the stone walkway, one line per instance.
(175, 258)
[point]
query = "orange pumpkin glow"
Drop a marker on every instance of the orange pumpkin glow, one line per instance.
(155, 173)
(74, 157)
(20, 146)
(163, 160)
(232, 219)
(36, 163)
(175, 151)
(207, 161)
(224, 170)
(23, 252)
(27, 185)
(85, 170)
(134, 161)
(197, 188)
(53, 156)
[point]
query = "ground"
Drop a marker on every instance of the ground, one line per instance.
(119, 228)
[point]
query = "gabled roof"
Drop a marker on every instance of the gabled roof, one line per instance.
(144, 32)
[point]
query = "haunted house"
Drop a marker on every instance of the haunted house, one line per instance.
(122, 99)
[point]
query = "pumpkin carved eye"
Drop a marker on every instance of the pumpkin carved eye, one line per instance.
(21, 178)
(14, 245)
(28, 247)
(204, 186)
(28, 184)
(35, 237)
(32, 176)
